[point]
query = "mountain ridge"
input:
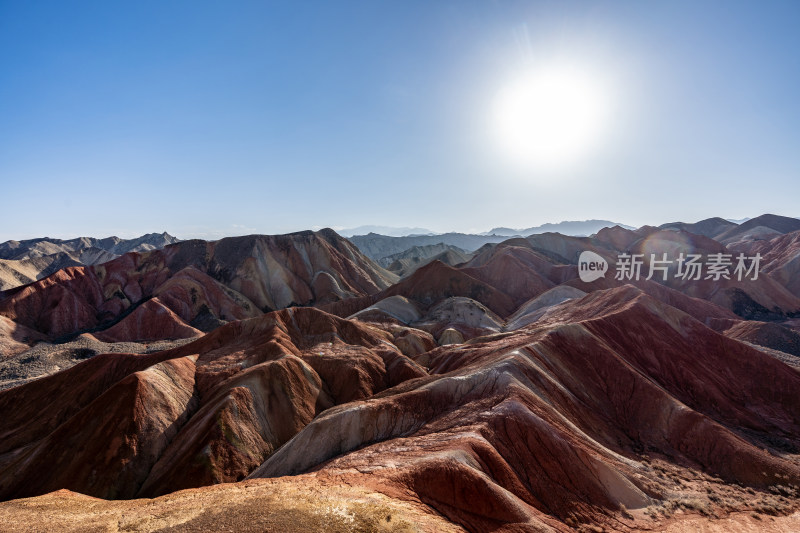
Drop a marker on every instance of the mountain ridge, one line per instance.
(23, 262)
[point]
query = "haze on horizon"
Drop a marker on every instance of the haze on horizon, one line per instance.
(208, 119)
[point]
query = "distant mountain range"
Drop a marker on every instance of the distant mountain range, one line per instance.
(27, 249)
(26, 261)
(575, 228)
(401, 249)
(384, 230)
(729, 233)
(378, 246)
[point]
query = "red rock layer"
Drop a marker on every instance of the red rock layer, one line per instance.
(573, 420)
(781, 259)
(428, 286)
(611, 408)
(151, 321)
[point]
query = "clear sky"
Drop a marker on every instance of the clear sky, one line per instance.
(228, 117)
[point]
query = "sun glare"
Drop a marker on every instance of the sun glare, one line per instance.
(549, 118)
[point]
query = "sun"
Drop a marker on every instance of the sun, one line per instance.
(550, 117)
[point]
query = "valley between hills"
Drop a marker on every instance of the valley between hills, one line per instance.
(312, 382)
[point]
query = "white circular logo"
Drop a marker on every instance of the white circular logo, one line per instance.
(591, 266)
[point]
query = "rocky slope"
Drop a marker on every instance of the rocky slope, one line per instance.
(207, 412)
(614, 410)
(407, 262)
(710, 227)
(781, 259)
(288, 505)
(764, 226)
(621, 434)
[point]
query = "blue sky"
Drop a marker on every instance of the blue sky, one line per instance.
(221, 118)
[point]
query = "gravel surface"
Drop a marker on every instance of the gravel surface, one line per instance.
(45, 358)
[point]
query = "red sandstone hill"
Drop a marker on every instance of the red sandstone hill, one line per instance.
(505, 276)
(614, 410)
(617, 237)
(772, 296)
(124, 425)
(766, 334)
(764, 226)
(502, 279)
(428, 286)
(609, 413)
(781, 259)
(202, 285)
